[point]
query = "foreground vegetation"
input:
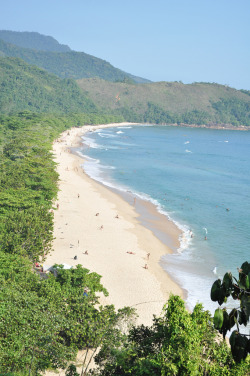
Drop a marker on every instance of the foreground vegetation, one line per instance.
(44, 322)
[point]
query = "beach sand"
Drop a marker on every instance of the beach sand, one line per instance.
(106, 238)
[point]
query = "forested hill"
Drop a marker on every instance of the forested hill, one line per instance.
(172, 102)
(26, 87)
(64, 64)
(33, 40)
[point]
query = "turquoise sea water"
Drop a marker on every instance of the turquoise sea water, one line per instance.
(200, 178)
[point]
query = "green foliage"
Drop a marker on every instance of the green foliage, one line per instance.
(71, 371)
(26, 87)
(44, 322)
(239, 290)
(178, 343)
(233, 111)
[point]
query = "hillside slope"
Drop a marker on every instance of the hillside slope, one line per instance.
(25, 87)
(171, 102)
(64, 64)
(33, 40)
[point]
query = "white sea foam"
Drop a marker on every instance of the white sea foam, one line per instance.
(106, 135)
(85, 156)
(188, 151)
(91, 143)
(97, 171)
(119, 132)
(187, 142)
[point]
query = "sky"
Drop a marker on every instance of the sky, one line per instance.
(161, 40)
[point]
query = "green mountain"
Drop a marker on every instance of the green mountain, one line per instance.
(102, 86)
(51, 56)
(26, 87)
(172, 102)
(33, 40)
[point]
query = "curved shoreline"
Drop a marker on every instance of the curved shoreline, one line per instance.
(117, 247)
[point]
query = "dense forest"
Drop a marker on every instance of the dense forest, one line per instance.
(44, 322)
(26, 87)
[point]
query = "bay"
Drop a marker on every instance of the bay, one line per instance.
(199, 178)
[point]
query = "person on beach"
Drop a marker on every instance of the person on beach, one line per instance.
(78, 195)
(146, 266)
(117, 216)
(86, 253)
(97, 214)
(148, 254)
(131, 253)
(101, 228)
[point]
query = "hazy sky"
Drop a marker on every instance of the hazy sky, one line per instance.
(162, 40)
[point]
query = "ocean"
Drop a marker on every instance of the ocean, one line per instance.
(199, 178)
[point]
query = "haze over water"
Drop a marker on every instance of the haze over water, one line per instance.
(199, 178)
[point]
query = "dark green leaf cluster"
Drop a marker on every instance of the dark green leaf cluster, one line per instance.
(239, 290)
(178, 343)
(233, 111)
(44, 322)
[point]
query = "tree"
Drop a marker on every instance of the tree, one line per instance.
(178, 343)
(238, 289)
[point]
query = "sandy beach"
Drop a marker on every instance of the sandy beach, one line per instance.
(92, 218)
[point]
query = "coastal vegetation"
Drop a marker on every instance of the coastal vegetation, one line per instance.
(172, 102)
(178, 343)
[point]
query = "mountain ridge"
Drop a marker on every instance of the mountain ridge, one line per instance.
(33, 40)
(65, 63)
